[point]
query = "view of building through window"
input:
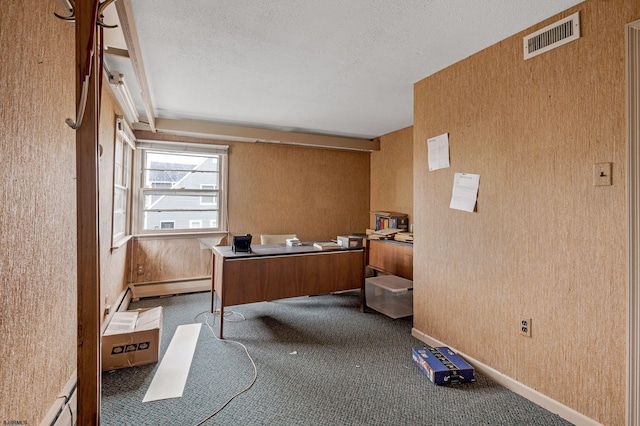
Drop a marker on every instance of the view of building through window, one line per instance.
(181, 191)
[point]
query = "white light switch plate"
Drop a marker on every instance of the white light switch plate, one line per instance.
(602, 174)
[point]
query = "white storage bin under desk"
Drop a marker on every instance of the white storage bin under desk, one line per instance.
(390, 295)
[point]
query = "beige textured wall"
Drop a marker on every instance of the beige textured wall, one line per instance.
(273, 189)
(392, 174)
(314, 193)
(544, 242)
(37, 209)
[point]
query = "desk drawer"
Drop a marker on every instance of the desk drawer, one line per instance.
(391, 257)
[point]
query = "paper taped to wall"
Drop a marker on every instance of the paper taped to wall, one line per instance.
(465, 191)
(438, 152)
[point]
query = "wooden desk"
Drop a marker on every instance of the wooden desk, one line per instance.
(276, 271)
(391, 257)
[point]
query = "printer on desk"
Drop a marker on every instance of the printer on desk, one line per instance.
(350, 241)
(241, 243)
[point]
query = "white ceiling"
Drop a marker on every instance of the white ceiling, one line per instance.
(333, 67)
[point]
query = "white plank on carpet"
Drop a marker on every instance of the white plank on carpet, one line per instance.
(171, 376)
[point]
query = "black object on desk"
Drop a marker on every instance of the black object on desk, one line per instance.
(241, 243)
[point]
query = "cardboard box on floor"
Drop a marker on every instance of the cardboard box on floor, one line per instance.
(132, 338)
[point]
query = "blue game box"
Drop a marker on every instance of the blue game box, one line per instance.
(442, 365)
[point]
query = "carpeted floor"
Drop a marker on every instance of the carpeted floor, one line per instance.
(319, 361)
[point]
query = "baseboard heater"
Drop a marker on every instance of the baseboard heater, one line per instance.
(170, 287)
(64, 410)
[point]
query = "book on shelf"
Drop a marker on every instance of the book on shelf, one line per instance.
(327, 245)
(406, 237)
(389, 214)
(393, 220)
(382, 234)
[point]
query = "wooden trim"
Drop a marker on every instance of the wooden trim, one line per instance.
(633, 221)
(532, 395)
(88, 250)
(114, 51)
(210, 130)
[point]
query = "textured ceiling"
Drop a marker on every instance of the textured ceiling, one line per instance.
(331, 67)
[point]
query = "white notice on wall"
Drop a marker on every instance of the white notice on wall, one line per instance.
(465, 191)
(438, 152)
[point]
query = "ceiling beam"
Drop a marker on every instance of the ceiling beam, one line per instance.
(114, 51)
(210, 130)
(125, 15)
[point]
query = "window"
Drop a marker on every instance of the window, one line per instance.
(206, 200)
(123, 154)
(182, 188)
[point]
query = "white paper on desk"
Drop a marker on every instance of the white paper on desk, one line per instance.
(465, 191)
(438, 152)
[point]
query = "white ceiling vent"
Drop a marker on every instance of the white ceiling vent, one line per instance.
(552, 36)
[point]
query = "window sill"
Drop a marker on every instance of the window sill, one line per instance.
(177, 235)
(122, 241)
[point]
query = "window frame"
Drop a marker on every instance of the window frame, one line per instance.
(124, 136)
(146, 146)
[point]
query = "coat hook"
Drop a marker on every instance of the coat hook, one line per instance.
(100, 20)
(101, 9)
(72, 12)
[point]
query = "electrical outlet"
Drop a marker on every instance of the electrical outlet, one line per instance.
(140, 269)
(525, 326)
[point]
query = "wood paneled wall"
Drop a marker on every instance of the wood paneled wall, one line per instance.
(114, 263)
(37, 209)
(169, 259)
(544, 242)
(392, 174)
(317, 194)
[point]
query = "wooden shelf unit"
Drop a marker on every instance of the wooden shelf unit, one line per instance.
(391, 257)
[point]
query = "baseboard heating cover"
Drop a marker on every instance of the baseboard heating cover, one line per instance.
(166, 288)
(64, 410)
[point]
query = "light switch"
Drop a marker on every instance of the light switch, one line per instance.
(602, 174)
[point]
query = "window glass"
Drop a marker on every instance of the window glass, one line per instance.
(123, 154)
(181, 190)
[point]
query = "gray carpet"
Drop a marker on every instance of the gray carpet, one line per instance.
(319, 362)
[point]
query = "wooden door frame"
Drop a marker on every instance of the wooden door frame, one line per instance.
(632, 35)
(88, 248)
